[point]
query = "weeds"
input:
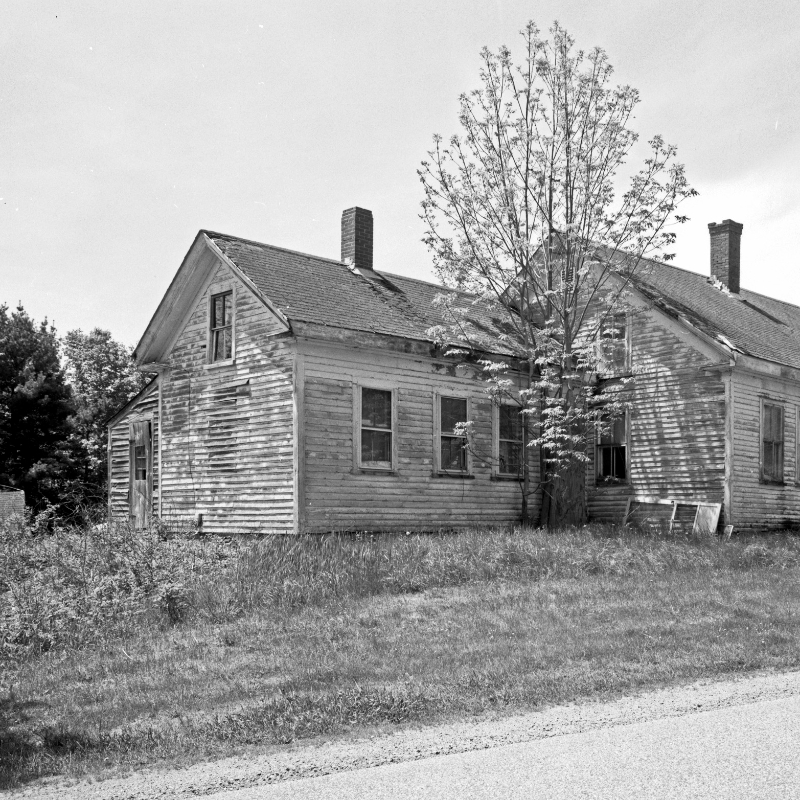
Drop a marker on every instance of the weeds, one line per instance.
(76, 586)
(124, 647)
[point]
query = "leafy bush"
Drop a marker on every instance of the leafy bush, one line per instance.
(77, 585)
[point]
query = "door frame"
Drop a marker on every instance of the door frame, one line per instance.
(132, 472)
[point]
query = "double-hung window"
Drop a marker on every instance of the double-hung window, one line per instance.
(221, 327)
(771, 442)
(452, 445)
(612, 450)
(375, 450)
(509, 450)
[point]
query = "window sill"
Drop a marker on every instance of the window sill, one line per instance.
(228, 362)
(462, 475)
(606, 484)
(374, 471)
(767, 482)
(515, 478)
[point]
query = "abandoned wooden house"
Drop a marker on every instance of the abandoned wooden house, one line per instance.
(297, 393)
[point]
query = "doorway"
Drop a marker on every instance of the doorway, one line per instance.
(141, 473)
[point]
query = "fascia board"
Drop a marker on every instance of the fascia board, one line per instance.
(178, 301)
(159, 327)
(706, 344)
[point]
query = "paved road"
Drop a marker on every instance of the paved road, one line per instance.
(750, 751)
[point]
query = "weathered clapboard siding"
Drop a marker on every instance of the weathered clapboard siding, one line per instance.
(228, 444)
(337, 495)
(756, 504)
(676, 434)
(119, 476)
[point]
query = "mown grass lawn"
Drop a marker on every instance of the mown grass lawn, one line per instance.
(387, 630)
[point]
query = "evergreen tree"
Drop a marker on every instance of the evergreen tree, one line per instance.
(36, 452)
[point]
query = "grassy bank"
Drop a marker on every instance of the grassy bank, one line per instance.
(292, 638)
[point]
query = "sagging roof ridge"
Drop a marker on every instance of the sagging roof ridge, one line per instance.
(335, 261)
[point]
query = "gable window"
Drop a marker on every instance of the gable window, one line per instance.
(772, 442)
(452, 447)
(611, 451)
(221, 327)
(509, 429)
(376, 428)
(613, 343)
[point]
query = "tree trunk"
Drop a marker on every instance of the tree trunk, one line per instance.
(564, 497)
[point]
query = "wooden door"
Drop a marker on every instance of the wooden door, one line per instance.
(141, 459)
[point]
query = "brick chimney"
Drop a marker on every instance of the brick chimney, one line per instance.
(725, 252)
(357, 237)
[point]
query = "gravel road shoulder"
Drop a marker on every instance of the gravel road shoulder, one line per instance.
(308, 759)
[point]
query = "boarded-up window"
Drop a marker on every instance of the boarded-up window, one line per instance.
(612, 446)
(772, 442)
(510, 440)
(453, 453)
(222, 326)
(376, 428)
(613, 344)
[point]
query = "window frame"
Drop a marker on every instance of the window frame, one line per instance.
(606, 367)
(496, 472)
(213, 293)
(439, 470)
(358, 464)
(603, 480)
(772, 403)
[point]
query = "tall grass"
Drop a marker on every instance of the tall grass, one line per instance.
(195, 648)
(294, 571)
(78, 586)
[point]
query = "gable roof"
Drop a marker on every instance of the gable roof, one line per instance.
(751, 323)
(308, 288)
(303, 288)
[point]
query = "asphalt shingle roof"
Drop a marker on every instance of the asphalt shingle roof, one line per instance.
(326, 292)
(756, 325)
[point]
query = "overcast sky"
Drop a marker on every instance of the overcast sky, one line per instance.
(127, 127)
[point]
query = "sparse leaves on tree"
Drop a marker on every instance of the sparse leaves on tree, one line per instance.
(527, 210)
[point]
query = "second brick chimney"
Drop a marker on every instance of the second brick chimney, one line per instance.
(725, 252)
(357, 237)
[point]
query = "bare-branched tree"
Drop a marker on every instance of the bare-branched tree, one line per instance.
(531, 211)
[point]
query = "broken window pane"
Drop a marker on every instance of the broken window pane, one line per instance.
(612, 450)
